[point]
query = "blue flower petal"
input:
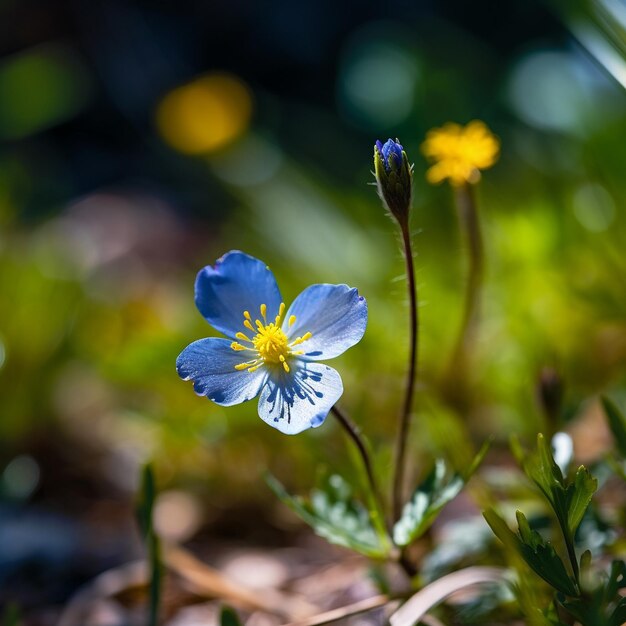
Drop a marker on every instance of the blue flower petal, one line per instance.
(300, 399)
(210, 363)
(335, 315)
(237, 283)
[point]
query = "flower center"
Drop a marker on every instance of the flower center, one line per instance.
(269, 344)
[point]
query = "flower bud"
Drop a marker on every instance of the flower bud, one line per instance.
(550, 393)
(394, 178)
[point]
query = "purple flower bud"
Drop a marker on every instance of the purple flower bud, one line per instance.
(394, 178)
(391, 152)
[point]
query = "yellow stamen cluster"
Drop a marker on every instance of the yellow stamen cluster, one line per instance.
(269, 344)
(460, 152)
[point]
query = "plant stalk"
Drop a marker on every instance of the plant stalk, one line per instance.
(352, 430)
(470, 226)
(405, 415)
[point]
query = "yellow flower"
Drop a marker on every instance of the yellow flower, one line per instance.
(460, 152)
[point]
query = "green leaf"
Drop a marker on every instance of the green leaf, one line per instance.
(578, 495)
(144, 510)
(440, 487)
(617, 424)
(551, 616)
(618, 617)
(228, 617)
(426, 503)
(335, 515)
(617, 579)
(145, 502)
(543, 471)
(543, 559)
(569, 501)
(538, 553)
(501, 530)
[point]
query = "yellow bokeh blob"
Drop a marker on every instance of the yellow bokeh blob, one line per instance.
(206, 114)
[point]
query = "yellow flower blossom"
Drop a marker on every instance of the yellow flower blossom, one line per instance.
(460, 152)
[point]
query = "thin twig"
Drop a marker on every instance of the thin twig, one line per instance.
(354, 433)
(405, 415)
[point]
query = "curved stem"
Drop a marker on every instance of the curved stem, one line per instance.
(405, 415)
(352, 430)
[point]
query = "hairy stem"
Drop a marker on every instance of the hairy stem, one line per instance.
(352, 430)
(405, 415)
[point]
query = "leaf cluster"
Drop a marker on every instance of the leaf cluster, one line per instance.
(440, 487)
(336, 515)
(590, 604)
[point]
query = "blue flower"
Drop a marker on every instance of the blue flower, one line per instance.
(270, 352)
(391, 153)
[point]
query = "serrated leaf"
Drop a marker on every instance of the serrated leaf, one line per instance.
(543, 559)
(426, 503)
(569, 501)
(336, 516)
(541, 468)
(538, 553)
(579, 495)
(439, 488)
(617, 424)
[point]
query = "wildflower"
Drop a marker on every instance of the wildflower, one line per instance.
(269, 351)
(460, 152)
(394, 178)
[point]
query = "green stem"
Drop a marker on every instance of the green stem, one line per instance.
(571, 553)
(470, 225)
(405, 415)
(352, 430)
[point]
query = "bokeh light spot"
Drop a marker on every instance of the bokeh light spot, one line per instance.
(206, 114)
(249, 162)
(177, 515)
(40, 88)
(21, 476)
(561, 91)
(377, 81)
(593, 207)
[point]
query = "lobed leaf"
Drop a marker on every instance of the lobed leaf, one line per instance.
(333, 514)
(569, 501)
(439, 488)
(538, 553)
(579, 494)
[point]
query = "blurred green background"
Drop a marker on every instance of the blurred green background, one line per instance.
(140, 141)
